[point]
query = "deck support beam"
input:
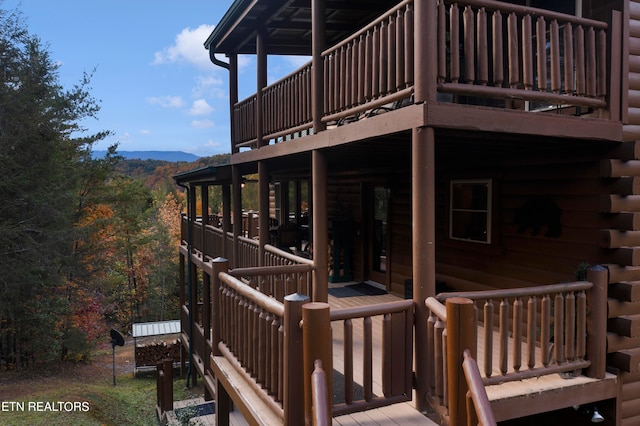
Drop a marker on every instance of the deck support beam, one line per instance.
(320, 227)
(226, 218)
(233, 98)
(261, 82)
(423, 225)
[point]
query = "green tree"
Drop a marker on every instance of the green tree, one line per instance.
(39, 155)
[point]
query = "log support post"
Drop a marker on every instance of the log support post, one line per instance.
(597, 322)
(293, 399)
(461, 336)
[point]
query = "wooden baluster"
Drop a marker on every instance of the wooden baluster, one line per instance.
(488, 337)
(368, 61)
(545, 329)
(514, 59)
(392, 56)
(335, 70)
(408, 48)
(454, 42)
(498, 58)
(387, 348)
(541, 44)
(252, 338)
(438, 354)
(275, 354)
(527, 53)
(504, 335)
(532, 320)
(399, 84)
(375, 63)
(581, 326)
(268, 356)
(281, 360)
(237, 327)
(348, 361)
(483, 48)
(601, 52)
(580, 61)
(591, 54)
(469, 47)
(262, 348)
(570, 327)
(341, 72)
(517, 334)
(348, 76)
(442, 43)
(558, 329)
(367, 362)
(554, 49)
(431, 321)
(326, 63)
(383, 59)
(445, 368)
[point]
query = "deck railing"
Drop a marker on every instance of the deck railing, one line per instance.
(558, 326)
(485, 50)
(395, 320)
(286, 105)
(245, 112)
(371, 66)
(478, 405)
(535, 54)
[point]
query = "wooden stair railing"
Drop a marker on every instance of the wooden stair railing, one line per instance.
(479, 410)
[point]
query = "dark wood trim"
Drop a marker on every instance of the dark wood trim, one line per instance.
(520, 122)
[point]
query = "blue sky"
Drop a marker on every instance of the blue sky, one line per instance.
(156, 86)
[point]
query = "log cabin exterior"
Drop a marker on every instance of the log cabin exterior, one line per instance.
(471, 146)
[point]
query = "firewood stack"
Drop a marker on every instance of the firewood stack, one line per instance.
(150, 354)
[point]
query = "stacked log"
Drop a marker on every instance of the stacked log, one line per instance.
(150, 354)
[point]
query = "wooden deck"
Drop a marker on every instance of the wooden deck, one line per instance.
(397, 414)
(539, 395)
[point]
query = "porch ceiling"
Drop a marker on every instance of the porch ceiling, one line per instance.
(288, 24)
(392, 153)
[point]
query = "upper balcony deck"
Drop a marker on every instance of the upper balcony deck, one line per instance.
(465, 53)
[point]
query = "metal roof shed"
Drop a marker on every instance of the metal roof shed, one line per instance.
(149, 329)
(146, 329)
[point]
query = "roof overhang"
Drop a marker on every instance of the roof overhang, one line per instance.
(210, 175)
(287, 24)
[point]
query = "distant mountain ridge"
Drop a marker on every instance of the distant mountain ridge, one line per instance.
(172, 156)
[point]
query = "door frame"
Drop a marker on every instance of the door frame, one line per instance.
(370, 274)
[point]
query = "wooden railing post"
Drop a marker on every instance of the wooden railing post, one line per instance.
(164, 385)
(316, 329)
(597, 322)
(460, 337)
(293, 398)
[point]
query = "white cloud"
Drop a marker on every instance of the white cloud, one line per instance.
(145, 132)
(167, 101)
(200, 107)
(187, 48)
(202, 124)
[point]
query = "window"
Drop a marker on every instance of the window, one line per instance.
(470, 210)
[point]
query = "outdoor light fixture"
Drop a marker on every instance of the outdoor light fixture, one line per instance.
(596, 417)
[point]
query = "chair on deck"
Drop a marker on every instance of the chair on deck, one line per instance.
(287, 235)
